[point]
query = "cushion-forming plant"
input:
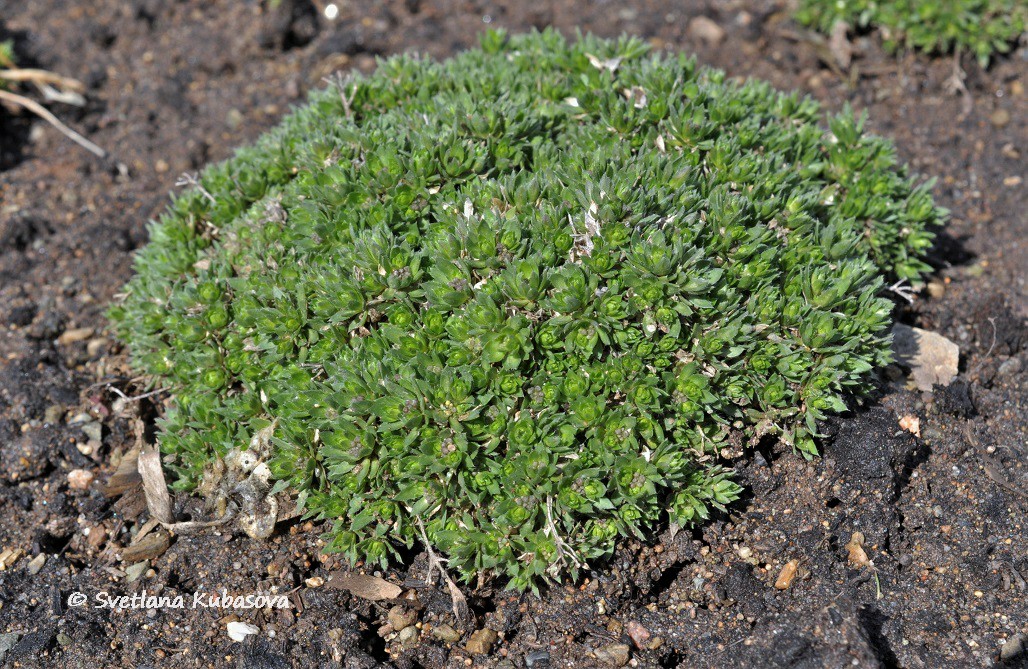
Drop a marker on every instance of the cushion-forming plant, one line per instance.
(515, 304)
(980, 27)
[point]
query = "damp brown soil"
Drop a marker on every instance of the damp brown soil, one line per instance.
(172, 86)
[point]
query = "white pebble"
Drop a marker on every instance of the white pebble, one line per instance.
(80, 479)
(238, 631)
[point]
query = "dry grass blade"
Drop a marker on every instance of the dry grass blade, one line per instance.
(42, 112)
(25, 74)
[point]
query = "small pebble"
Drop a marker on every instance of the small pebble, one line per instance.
(7, 641)
(133, 572)
(234, 118)
(705, 30)
(999, 118)
(75, 335)
(80, 479)
(1009, 367)
(639, 634)
(36, 563)
(53, 413)
(446, 633)
(787, 575)
(238, 631)
(409, 637)
(615, 654)
(94, 430)
(481, 641)
(96, 346)
(401, 617)
(1013, 648)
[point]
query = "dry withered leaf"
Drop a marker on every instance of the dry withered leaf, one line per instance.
(157, 498)
(150, 547)
(367, 587)
(126, 476)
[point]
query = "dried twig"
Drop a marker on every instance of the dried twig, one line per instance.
(193, 180)
(134, 398)
(988, 354)
(460, 603)
(42, 112)
(339, 81)
(564, 551)
(955, 84)
(906, 292)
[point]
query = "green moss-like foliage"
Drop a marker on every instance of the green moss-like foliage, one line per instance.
(6, 57)
(980, 27)
(524, 297)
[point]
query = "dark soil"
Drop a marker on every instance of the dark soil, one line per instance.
(175, 85)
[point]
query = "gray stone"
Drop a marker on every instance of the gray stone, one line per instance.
(446, 633)
(133, 572)
(401, 617)
(1013, 648)
(409, 637)
(1009, 367)
(616, 654)
(7, 642)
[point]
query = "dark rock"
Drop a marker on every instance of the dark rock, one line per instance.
(358, 659)
(955, 399)
(258, 655)
(21, 315)
(290, 25)
(32, 645)
(741, 585)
